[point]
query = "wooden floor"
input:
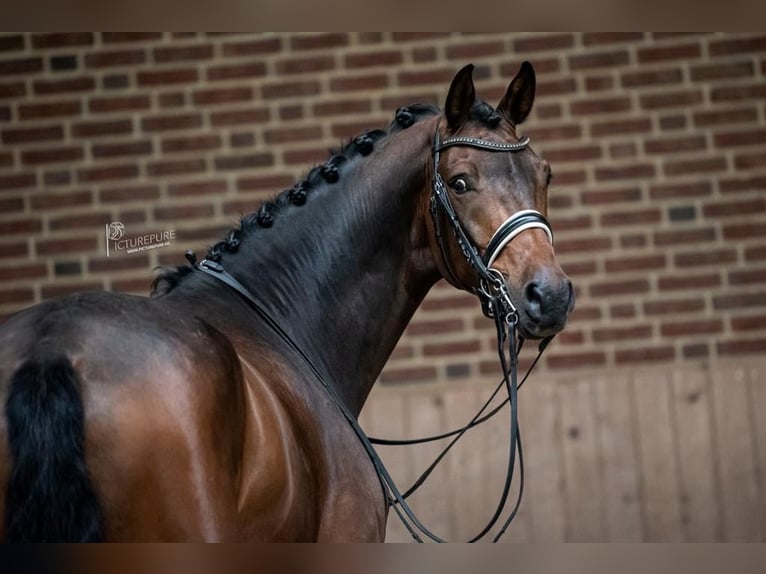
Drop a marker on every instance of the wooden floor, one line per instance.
(673, 454)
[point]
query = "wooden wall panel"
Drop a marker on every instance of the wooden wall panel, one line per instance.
(582, 463)
(621, 494)
(740, 494)
(757, 396)
(675, 454)
(700, 514)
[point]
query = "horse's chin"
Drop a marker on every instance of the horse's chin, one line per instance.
(532, 330)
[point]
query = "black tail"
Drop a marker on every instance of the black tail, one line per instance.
(50, 497)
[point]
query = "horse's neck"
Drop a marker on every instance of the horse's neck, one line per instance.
(345, 273)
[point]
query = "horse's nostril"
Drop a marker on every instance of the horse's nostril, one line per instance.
(533, 293)
(534, 297)
(571, 300)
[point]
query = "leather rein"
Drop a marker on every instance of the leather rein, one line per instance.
(496, 303)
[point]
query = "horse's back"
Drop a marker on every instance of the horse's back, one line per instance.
(184, 439)
(163, 403)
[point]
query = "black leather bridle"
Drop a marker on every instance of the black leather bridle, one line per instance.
(491, 282)
(496, 303)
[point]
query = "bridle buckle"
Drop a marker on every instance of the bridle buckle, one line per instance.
(493, 291)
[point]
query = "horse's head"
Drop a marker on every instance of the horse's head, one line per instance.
(499, 195)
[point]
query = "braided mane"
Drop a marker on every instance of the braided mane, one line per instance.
(329, 173)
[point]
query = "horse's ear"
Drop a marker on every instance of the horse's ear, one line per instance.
(517, 101)
(460, 98)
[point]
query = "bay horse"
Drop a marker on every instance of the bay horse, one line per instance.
(186, 416)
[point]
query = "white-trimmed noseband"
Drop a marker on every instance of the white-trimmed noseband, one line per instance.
(511, 228)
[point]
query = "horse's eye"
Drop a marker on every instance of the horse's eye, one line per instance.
(459, 184)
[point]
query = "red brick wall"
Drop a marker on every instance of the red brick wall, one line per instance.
(656, 141)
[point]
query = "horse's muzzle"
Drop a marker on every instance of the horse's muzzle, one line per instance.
(545, 304)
